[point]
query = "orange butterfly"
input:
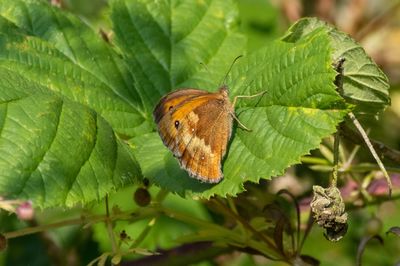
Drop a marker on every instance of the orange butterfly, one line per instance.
(196, 126)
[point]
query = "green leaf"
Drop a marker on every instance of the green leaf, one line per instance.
(364, 83)
(165, 43)
(260, 21)
(63, 95)
(158, 164)
(59, 51)
(158, 47)
(56, 152)
(300, 107)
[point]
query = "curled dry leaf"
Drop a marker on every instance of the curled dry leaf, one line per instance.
(329, 212)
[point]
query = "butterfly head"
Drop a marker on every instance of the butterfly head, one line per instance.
(224, 90)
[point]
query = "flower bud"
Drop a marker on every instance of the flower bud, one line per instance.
(142, 197)
(25, 211)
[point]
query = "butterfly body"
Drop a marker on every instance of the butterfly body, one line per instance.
(196, 126)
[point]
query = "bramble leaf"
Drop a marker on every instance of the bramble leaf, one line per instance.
(63, 95)
(300, 107)
(364, 83)
(160, 46)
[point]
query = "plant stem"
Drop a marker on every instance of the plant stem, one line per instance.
(335, 160)
(250, 228)
(375, 201)
(231, 237)
(232, 205)
(161, 195)
(372, 150)
(81, 221)
(314, 160)
(356, 138)
(352, 155)
(109, 225)
(362, 167)
(186, 254)
(144, 233)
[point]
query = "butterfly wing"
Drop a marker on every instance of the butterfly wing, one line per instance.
(196, 129)
(172, 99)
(165, 116)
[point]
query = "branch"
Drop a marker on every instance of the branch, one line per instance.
(185, 254)
(384, 151)
(372, 150)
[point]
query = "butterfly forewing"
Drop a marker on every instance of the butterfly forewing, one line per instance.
(172, 100)
(174, 111)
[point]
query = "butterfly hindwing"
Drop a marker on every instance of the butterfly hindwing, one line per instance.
(203, 154)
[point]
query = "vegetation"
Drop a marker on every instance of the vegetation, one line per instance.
(88, 180)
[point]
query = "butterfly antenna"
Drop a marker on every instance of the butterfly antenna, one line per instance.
(230, 68)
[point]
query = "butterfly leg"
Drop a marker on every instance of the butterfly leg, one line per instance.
(240, 123)
(247, 97)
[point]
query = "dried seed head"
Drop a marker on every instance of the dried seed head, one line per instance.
(329, 212)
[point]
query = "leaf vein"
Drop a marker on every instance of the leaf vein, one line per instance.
(92, 148)
(40, 160)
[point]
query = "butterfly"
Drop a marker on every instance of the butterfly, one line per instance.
(196, 125)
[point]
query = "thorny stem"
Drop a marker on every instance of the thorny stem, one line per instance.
(372, 150)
